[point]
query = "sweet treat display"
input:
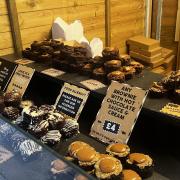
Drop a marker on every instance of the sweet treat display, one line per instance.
(116, 76)
(119, 151)
(125, 59)
(141, 163)
(11, 113)
(99, 74)
(110, 53)
(129, 72)
(128, 174)
(157, 90)
(108, 168)
(112, 65)
(87, 70)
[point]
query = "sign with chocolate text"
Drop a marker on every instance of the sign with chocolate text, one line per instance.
(53, 72)
(6, 72)
(21, 79)
(171, 109)
(71, 100)
(24, 61)
(118, 113)
(93, 84)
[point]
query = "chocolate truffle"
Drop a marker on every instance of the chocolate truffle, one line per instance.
(112, 65)
(128, 174)
(116, 76)
(11, 113)
(47, 108)
(110, 53)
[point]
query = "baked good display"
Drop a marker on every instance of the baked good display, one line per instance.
(87, 69)
(157, 90)
(128, 174)
(99, 74)
(12, 98)
(98, 61)
(125, 59)
(116, 76)
(141, 163)
(11, 112)
(129, 72)
(108, 168)
(120, 151)
(137, 66)
(110, 53)
(112, 65)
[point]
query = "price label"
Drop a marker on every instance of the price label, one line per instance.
(71, 100)
(6, 72)
(171, 109)
(118, 113)
(24, 61)
(21, 79)
(93, 84)
(53, 72)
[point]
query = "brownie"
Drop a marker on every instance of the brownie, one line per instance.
(116, 76)
(36, 45)
(125, 59)
(12, 98)
(98, 61)
(112, 65)
(81, 50)
(99, 74)
(44, 57)
(110, 53)
(87, 69)
(129, 72)
(157, 90)
(2, 105)
(138, 66)
(46, 49)
(11, 113)
(77, 58)
(26, 53)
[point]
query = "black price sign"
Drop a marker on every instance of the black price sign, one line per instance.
(6, 71)
(69, 104)
(111, 127)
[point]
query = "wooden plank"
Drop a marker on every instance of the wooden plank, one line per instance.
(6, 51)
(32, 5)
(4, 23)
(6, 40)
(3, 7)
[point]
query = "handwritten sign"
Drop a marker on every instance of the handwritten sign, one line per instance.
(93, 84)
(53, 72)
(71, 100)
(21, 79)
(118, 113)
(171, 109)
(24, 61)
(6, 72)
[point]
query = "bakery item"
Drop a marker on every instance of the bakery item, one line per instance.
(157, 90)
(44, 57)
(112, 65)
(47, 108)
(141, 163)
(110, 53)
(51, 138)
(125, 59)
(128, 174)
(116, 76)
(129, 72)
(97, 61)
(2, 105)
(99, 74)
(108, 168)
(120, 151)
(70, 128)
(36, 45)
(12, 98)
(137, 66)
(10, 112)
(26, 53)
(46, 49)
(87, 69)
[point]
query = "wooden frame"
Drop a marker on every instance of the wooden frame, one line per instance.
(108, 22)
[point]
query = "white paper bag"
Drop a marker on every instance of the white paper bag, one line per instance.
(96, 45)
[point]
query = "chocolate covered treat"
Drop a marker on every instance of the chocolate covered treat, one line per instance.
(47, 108)
(157, 90)
(128, 174)
(26, 53)
(46, 50)
(51, 138)
(137, 66)
(116, 76)
(45, 57)
(70, 128)
(125, 59)
(110, 53)
(129, 72)
(87, 69)
(36, 45)
(108, 168)
(119, 151)
(112, 65)
(2, 105)
(12, 98)
(99, 74)
(141, 163)
(98, 61)
(11, 113)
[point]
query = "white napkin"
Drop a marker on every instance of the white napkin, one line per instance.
(96, 45)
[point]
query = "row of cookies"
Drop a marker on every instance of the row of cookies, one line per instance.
(117, 163)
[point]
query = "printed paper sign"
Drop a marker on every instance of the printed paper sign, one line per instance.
(4, 155)
(6, 72)
(53, 72)
(172, 109)
(92, 84)
(21, 79)
(71, 100)
(24, 61)
(118, 114)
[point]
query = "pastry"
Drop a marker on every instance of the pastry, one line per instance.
(51, 138)
(97, 61)
(125, 59)
(2, 105)
(116, 76)
(26, 53)
(110, 53)
(11, 113)
(108, 168)
(87, 69)
(99, 74)
(36, 45)
(112, 65)
(157, 90)
(81, 50)
(45, 49)
(12, 98)
(67, 51)
(70, 128)
(128, 174)
(137, 66)
(44, 57)
(119, 151)
(141, 163)
(129, 72)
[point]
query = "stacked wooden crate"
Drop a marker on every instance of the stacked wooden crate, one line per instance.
(149, 52)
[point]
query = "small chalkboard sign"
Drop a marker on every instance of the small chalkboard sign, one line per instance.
(71, 100)
(6, 72)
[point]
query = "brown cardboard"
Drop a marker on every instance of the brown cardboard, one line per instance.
(21, 79)
(149, 53)
(166, 53)
(73, 99)
(143, 42)
(145, 58)
(93, 84)
(118, 113)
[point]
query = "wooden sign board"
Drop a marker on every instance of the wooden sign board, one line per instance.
(6, 72)
(92, 84)
(71, 100)
(21, 79)
(118, 113)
